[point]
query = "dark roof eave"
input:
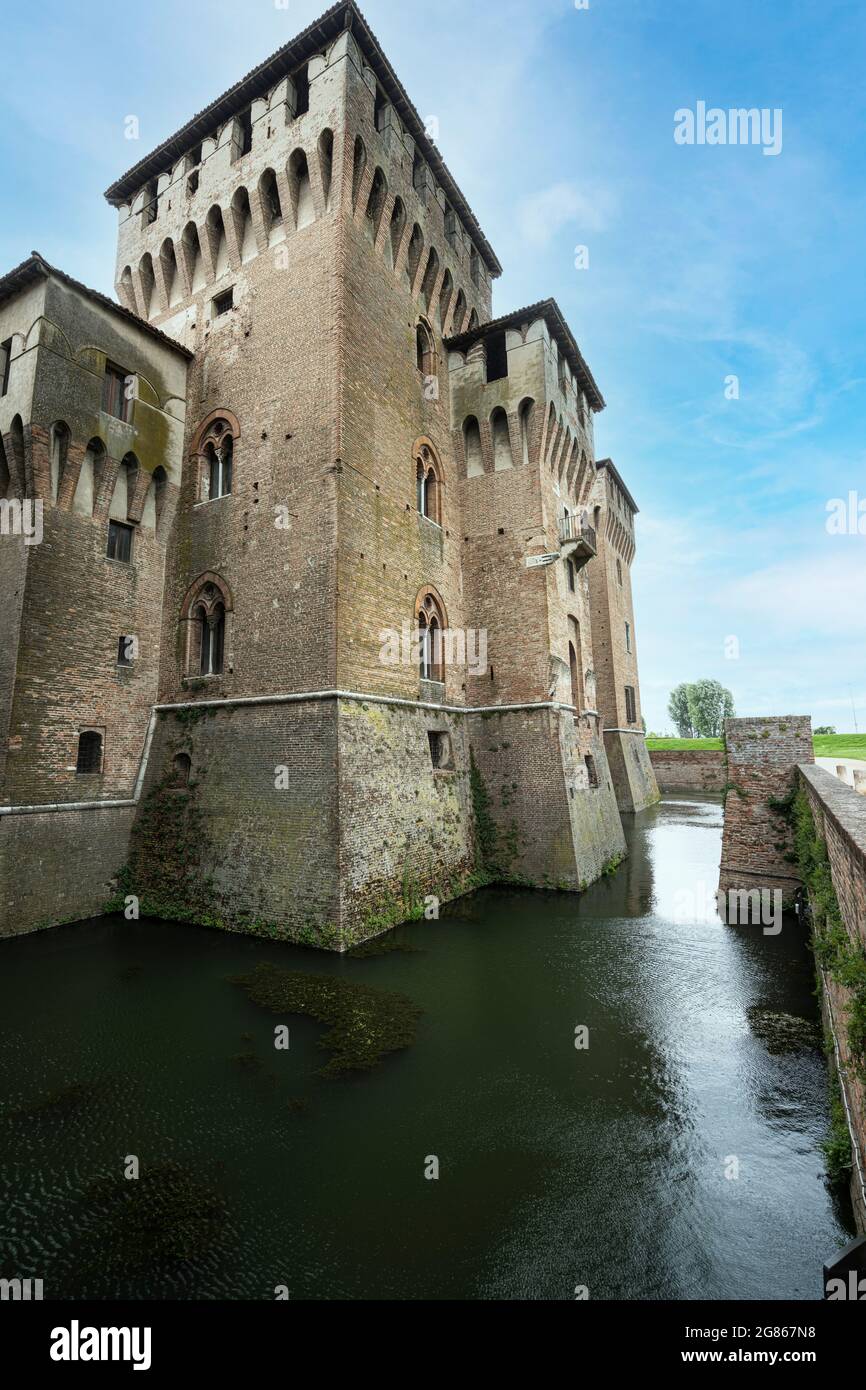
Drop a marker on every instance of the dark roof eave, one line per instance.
(612, 469)
(549, 310)
(328, 26)
(36, 267)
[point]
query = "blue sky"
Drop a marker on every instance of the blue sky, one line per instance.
(704, 262)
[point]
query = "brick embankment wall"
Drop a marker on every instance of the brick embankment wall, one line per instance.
(757, 842)
(689, 769)
(840, 819)
(632, 772)
(59, 866)
(405, 824)
(557, 825)
(244, 835)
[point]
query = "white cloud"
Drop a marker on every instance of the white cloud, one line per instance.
(542, 215)
(814, 595)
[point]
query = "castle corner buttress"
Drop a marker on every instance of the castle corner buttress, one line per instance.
(324, 611)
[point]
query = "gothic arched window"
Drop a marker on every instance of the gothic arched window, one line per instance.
(425, 351)
(431, 627)
(428, 486)
(217, 449)
(206, 610)
(211, 624)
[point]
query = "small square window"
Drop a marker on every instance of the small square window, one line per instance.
(89, 760)
(441, 753)
(223, 303)
(119, 390)
(119, 542)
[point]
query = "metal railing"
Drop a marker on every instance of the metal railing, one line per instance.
(574, 529)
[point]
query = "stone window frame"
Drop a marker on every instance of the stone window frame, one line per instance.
(428, 474)
(179, 772)
(98, 731)
(426, 357)
(441, 748)
(215, 429)
(430, 616)
(204, 598)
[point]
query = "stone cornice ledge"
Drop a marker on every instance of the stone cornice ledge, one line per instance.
(845, 807)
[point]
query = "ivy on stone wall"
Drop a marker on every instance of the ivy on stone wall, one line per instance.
(495, 848)
(843, 959)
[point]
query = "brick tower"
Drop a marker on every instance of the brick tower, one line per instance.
(374, 640)
(615, 643)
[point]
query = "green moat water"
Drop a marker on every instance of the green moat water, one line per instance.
(558, 1167)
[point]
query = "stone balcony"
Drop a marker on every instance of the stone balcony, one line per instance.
(577, 540)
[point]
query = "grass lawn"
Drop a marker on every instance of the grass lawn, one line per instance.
(825, 745)
(840, 746)
(685, 743)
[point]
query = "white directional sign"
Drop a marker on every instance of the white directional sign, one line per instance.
(534, 561)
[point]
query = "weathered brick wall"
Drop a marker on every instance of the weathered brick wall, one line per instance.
(840, 819)
(13, 577)
(273, 363)
(762, 755)
(59, 866)
(614, 642)
(261, 856)
(388, 553)
(554, 829)
(611, 599)
(689, 769)
(66, 604)
(632, 771)
(406, 828)
(76, 602)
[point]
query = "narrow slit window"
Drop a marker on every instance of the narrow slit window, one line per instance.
(497, 357)
(302, 90)
(244, 134)
(5, 365)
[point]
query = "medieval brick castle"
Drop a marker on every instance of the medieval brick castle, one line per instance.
(330, 606)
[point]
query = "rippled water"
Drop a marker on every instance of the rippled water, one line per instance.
(559, 1167)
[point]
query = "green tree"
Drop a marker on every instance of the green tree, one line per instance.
(678, 709)
(710, 704)
(824, 729)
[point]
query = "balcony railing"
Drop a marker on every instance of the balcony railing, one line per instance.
(577, 539)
